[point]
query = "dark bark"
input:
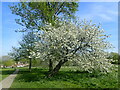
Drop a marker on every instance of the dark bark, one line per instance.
(50, 65)
(30, 63)
(56, 69)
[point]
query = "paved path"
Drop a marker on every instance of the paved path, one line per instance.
(6, 83)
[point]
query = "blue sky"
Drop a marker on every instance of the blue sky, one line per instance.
(105, 13)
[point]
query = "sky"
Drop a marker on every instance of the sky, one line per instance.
(105, 13)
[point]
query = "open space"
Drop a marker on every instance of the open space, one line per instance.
(66, 78)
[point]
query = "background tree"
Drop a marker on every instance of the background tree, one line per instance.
(36, 62)
(15, 54)
(27, 48)
(36, 14)
(8, 63)
(82, 42)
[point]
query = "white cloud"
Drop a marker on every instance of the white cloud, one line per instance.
(103, 12)
(105, 17)
(112, 12)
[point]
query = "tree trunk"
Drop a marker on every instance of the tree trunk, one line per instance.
(50, 65)
(56, 69)
(30, 63)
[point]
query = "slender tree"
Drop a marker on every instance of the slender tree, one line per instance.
(27, 48)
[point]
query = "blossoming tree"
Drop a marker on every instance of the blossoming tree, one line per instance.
(82, 42)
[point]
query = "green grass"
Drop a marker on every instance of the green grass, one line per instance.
(66, 78)
(5, 72)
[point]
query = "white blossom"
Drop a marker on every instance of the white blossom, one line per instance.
(63, 41)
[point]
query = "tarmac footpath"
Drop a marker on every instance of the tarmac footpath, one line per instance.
(7, 82)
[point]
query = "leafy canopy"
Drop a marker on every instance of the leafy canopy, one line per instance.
(33, 15)
(26, 49)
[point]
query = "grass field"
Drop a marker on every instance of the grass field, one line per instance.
(66, 78)
(6, 72)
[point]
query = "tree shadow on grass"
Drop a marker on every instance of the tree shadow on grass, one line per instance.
(23, 71)
(84, 79)
(40, 74)
(7, 72)
(34, 75)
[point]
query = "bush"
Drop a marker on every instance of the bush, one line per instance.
(8, 63)
(115, 57)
